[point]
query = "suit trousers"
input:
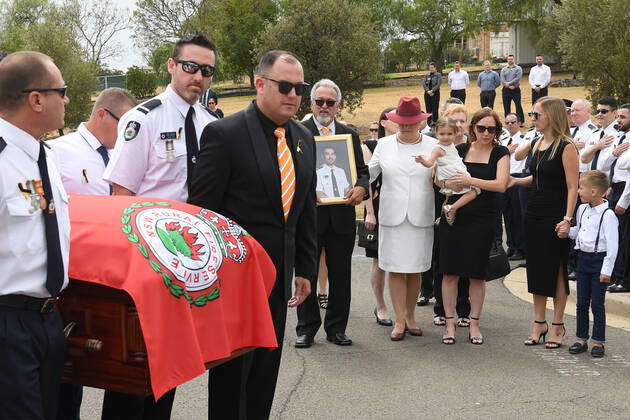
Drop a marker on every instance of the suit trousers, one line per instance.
(486, 98)
(538, 95)
(621, 272)
(459, 94)
(123, 406)
(432, 105)
(510, 95)
(338, 248)
(32, 350)
(70, 397)
(243, 388)
(510, 209)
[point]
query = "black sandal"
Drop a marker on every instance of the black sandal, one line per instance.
(475, 340)
(463, 322)
(322, 298)
(448, 339)
(556, 344)
(531, 341)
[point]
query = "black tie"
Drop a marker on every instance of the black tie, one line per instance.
(510, 141)
(574, 132)
(192, 147)
(612, 168)
(594, 162)
(54, 266)
(334, 181)
(103, 152)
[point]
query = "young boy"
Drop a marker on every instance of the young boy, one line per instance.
(596, 241)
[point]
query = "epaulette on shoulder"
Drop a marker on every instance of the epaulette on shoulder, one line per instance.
(522, 135)
(149, 105)
(593, 127)
(3, 144)
(211, 112)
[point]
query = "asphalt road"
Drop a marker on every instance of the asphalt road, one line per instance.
(421, 378)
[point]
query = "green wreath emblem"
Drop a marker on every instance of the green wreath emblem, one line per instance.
(175, 289)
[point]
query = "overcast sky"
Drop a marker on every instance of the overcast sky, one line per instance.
(129, 55)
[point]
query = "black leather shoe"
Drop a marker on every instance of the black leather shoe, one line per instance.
(517, 256)
(423, 301)
(339, 339)
(572, 275)
(598, 351)
(618, 289)
(304, 341)
(577, 348)
(612, 287)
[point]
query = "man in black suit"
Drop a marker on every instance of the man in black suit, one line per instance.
(238, 176)
(336, 228)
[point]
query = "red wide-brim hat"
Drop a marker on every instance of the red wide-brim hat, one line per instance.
(408, 111)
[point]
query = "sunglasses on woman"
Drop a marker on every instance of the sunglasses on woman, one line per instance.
(490, 129)
(191, 67)
(285, 87)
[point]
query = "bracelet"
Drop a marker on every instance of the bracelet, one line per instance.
(567, 219)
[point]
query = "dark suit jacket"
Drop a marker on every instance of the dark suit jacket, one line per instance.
(340, 216)
(236, 177)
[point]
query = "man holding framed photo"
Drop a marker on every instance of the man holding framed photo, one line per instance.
(336, 227)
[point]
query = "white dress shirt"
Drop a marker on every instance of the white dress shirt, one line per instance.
(603, 161)
(620, 172)
(583, 133)
(458, 79)
(80, 165)
(516, 166)
(539, 76)
(141, 164)
(23, 257)
(587, 228)
(330, 127)
(624, 200)
(325, 181)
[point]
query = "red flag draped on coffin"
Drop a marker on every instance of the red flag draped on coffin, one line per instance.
(200, 283)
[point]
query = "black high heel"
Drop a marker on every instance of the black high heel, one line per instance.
(541, 338)
(475, 340)
(448, 339)
(556, 344)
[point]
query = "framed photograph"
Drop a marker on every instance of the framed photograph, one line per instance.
(336, 168)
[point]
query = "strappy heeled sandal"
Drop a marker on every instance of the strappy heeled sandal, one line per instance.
(556, 344)
(439, 321)
(475, 340)
(322, 299)
(531, 341)
(448, 339)
(463, 322)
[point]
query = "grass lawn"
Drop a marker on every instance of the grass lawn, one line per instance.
(376, 99)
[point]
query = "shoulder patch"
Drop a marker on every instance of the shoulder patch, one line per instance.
(592, 127)
(131, 131)
(522, 135)
(3, 144)
(149, 105)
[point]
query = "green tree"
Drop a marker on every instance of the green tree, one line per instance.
(343, 50)
(141, 83)
(239, 24)
(157, 59)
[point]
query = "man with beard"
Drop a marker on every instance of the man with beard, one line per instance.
(154, 156)
(331, 180)
(336, 228)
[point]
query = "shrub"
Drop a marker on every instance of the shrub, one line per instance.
(141, 83)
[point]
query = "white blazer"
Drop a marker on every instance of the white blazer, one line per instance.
(407, 186)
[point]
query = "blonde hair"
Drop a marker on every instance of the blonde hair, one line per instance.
(454, 109)
(556, 112)
(595, 179)
(443, 122)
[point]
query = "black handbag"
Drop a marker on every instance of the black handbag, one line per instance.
(498, 263)
(368, 239)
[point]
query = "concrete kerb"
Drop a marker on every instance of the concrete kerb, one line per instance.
(617, 304)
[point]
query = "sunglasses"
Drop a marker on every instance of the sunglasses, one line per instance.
(285, 87)
(62, 90)
(329, 102)
(511, 122)
(481, 128)
(191, 67)
(211, 102)
(534, 115)
(111, 114)
(374, 129)
(602, 111)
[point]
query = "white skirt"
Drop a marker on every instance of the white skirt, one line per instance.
(405, 248)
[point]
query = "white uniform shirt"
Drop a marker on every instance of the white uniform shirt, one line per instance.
(516, 166)
(583, 133)
(141, 163)
(539, 76)
(23, 258)
(621, 173)
(603, 161)
(458, 79)
(80, 165)
(624, 200)
(622, 167)
(585, 233)
(325, 181)
(330, 127)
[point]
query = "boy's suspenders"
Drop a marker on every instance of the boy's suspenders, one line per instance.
(599, 228)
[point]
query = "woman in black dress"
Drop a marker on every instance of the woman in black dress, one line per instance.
(552, 199)
(465, 246)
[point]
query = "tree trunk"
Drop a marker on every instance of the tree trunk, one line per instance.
(251, 76)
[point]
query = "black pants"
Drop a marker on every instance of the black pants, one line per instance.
(538, 95)
(122, 406)
(510, 95)
(432, 105)
(486, 98)
(621, 272)
(32, 349)
(510, 209)
(70, 396)
(338, 260)
(244, 387)
(459, 94)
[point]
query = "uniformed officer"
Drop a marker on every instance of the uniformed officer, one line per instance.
(35, 227)
(154, 156)
(601, 143)
(83, 156)
(582, 127)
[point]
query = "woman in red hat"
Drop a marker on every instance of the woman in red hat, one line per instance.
(406, 211)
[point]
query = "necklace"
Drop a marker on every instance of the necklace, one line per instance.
(540, 154)
(405, 142)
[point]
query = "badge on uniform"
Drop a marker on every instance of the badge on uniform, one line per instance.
(33, 191)
(131, 131)
(168, 138)
(299, 146)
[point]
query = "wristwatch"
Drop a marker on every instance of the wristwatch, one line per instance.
(567, 219)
